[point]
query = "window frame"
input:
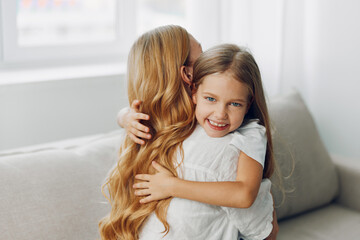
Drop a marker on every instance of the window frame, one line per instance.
(13, 55)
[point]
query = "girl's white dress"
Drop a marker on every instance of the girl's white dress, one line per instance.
(215, 159)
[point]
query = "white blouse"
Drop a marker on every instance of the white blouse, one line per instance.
(215, 159)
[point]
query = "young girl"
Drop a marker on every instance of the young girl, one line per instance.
(156, 62)
(227, 88)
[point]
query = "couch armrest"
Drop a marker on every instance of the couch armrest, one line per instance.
(349, 179)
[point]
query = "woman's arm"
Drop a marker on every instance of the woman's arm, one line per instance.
(129, 118)
(238, 194)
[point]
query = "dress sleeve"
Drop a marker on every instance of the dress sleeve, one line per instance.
(255, 222)
(251, 139)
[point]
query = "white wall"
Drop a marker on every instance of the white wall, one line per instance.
(335, 83)
(39, 112)
(322, 60)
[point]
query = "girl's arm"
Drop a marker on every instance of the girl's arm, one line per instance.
(238, 194)
(129, 118)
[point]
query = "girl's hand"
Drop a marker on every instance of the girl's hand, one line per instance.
(131, 122)
(155, 187)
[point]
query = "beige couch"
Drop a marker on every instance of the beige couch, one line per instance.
(53, 191)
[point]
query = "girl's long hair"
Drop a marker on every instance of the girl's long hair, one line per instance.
(154, 78)
(243, 67)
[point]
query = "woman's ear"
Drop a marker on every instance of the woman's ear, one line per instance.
(186, 75)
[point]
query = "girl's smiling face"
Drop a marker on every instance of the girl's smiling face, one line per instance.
(221, 104)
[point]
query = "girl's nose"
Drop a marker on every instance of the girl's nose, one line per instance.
(220, 112)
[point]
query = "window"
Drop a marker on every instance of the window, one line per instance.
(43, 31)
(58, 32)
(64, 22)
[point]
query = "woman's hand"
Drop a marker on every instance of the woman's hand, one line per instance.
(155, 187)
(130, 120)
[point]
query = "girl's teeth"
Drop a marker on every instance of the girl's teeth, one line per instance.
(217, 124)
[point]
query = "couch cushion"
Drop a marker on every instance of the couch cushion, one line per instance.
(330, 222)
(301, 156)
(56, 193)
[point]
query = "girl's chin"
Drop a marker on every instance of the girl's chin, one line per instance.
(215, 134)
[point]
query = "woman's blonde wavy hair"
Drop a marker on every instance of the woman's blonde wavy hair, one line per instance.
(154, 64)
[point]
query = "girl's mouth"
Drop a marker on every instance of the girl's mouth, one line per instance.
(217, 126)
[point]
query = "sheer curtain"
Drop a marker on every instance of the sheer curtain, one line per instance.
(309, 45)
(271, 29)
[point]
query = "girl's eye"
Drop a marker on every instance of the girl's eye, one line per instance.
(235, 104)
(210, 99)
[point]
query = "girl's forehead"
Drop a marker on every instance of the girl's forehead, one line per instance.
(226, 74)
(223, 84)
(222, 80)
